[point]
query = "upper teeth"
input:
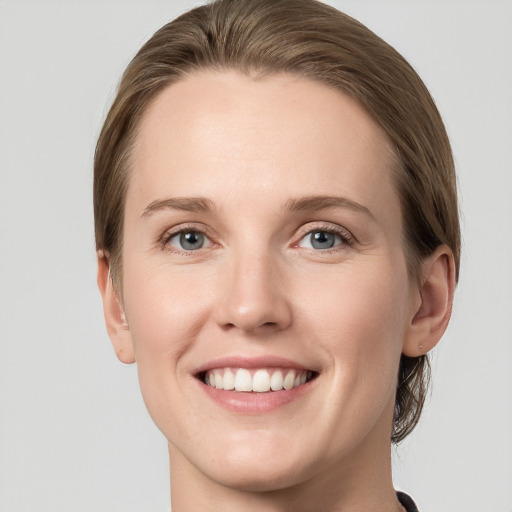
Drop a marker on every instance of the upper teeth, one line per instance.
(259, 380)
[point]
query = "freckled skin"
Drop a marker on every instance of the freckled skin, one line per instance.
(256, 288)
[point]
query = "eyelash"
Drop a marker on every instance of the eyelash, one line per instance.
(170, 234)
(346, 237)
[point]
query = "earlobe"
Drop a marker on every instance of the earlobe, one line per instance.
(430, 320)
(115, 319)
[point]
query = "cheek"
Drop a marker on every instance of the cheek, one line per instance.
(165, 311)
(358, 317)
(360, 322)
(165, 306)
(357, 299)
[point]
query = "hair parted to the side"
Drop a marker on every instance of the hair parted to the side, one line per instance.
(315, 41)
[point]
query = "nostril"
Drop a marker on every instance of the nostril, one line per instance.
(251, 326)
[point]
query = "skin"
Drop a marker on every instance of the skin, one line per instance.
(252, 150)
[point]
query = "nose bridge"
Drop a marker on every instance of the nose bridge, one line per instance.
(254, 297)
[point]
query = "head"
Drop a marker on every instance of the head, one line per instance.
(300, 42)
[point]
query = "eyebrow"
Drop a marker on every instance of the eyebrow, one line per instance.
(320, 202)
(187, 204)
(303, 204)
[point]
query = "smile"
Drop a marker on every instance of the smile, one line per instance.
(256, 380)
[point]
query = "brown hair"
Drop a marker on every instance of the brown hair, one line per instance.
(313, 40)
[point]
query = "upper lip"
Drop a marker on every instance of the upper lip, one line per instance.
(250, 362)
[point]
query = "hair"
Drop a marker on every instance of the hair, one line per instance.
(315, 41)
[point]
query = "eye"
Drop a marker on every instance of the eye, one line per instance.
(189, 240)
(321, 240)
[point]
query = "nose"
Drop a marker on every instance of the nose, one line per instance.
(253, 295)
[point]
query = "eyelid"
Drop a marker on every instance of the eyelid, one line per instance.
(329, 227)
(170, 233)
(163, 240)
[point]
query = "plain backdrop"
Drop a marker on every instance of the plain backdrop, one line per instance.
(74, 433)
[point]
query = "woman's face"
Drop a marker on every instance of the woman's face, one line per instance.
(263, 250)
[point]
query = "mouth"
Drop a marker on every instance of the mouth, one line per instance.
(256, 380)
(255, 385)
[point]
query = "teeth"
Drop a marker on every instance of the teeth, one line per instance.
(229, 380)
(259, 381)
(243, 380)
(289, 380)
(276, 381)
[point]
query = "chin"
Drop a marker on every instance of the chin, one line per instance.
(268, 463)
(255, 478)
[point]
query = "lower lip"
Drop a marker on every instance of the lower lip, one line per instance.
(252, 402)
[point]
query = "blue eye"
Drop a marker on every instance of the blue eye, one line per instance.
(321, 240)
(189, 241)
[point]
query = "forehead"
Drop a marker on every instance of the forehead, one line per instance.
(215, 129)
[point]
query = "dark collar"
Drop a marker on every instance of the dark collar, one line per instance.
(407, 502)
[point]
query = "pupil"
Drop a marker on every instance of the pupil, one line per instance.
(322, 240)
(191, 240)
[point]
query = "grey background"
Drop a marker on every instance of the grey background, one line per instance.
(74, 434)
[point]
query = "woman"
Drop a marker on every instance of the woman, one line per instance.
(278, 246)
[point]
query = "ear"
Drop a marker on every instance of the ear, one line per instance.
(115, 319)
(432, 311)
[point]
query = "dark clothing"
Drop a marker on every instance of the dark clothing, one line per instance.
(406, 501)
